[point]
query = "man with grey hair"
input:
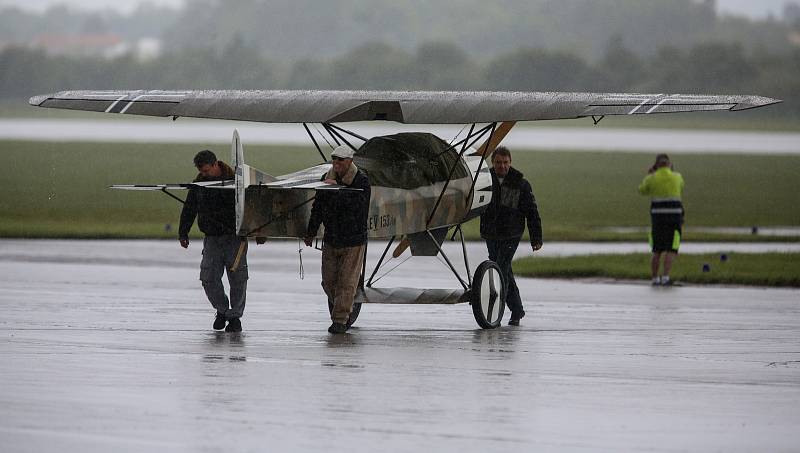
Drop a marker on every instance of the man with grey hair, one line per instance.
(344, 214)
(223, 250)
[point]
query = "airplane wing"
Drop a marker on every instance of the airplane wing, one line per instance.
(411, 107)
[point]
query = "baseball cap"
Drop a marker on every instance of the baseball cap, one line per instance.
(343, 152)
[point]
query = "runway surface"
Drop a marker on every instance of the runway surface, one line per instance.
(107, 346)
(527, 138)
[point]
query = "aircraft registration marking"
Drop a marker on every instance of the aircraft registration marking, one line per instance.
(377, 222)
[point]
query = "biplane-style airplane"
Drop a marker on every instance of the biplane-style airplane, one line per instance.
(422, 186)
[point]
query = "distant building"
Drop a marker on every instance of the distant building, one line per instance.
(102, 45)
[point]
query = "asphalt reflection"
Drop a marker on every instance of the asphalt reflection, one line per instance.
(107, 346)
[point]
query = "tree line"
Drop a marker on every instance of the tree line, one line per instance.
(716, 68)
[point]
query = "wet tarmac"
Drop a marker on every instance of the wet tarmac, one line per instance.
(107, 346)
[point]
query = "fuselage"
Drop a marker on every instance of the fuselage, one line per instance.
(397, 207)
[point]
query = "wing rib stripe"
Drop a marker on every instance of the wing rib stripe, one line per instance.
(132, 102)
(113, 104)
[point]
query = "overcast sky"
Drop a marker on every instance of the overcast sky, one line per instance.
(121, 5)
(753, 8)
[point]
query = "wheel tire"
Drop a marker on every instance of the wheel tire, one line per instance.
(353, 314)
(487, 295)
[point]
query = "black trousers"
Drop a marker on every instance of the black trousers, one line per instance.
(502, 252)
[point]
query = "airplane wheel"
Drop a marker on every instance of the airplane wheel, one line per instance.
(353, 314)
(488, 295)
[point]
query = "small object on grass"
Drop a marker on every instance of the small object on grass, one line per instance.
(723, 257)
(706, 267)
(168, 227)
(754, 230)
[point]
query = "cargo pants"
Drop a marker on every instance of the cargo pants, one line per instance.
(219, 255)
(341, 270)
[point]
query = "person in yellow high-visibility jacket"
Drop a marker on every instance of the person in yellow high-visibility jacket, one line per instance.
(664, 187)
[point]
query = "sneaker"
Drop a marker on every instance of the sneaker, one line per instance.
(665, 281)
(656, 281)
(219, 321)
(234, 325)
(514, 321)
(337, 327)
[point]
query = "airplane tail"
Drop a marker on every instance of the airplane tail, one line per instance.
(245, 177)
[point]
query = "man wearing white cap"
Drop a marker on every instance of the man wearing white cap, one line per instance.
(344, 214)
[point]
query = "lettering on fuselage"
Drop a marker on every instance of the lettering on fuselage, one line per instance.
(377, 222)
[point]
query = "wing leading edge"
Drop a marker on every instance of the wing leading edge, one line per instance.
(410, 107)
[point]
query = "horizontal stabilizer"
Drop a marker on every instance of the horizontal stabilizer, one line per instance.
(317, 185)
(227, 184)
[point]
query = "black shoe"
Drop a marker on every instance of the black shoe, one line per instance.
(234, 325)
(514, 321)
(337, 327)
(219, 321)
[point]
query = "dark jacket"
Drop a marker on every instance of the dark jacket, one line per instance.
(215, 209)
(344, 213)
(512, 204)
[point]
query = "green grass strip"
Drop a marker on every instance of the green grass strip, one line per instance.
(60, 189)
(754, 269)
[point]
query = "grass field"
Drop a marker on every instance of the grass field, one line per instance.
(759, 269)
(60, 189)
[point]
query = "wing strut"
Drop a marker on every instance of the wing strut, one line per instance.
(324, 159)
(497, 136)
(351, 133)
(334, 131)
(491, 141)
(331, 133)
(465, 146)
(380, 261)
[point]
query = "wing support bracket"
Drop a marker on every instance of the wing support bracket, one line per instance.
(597, 119)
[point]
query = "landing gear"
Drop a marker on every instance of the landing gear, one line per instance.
(487, 295)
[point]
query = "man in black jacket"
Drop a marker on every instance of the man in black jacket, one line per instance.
(223, 250)
(344, 214)
(503, 223)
